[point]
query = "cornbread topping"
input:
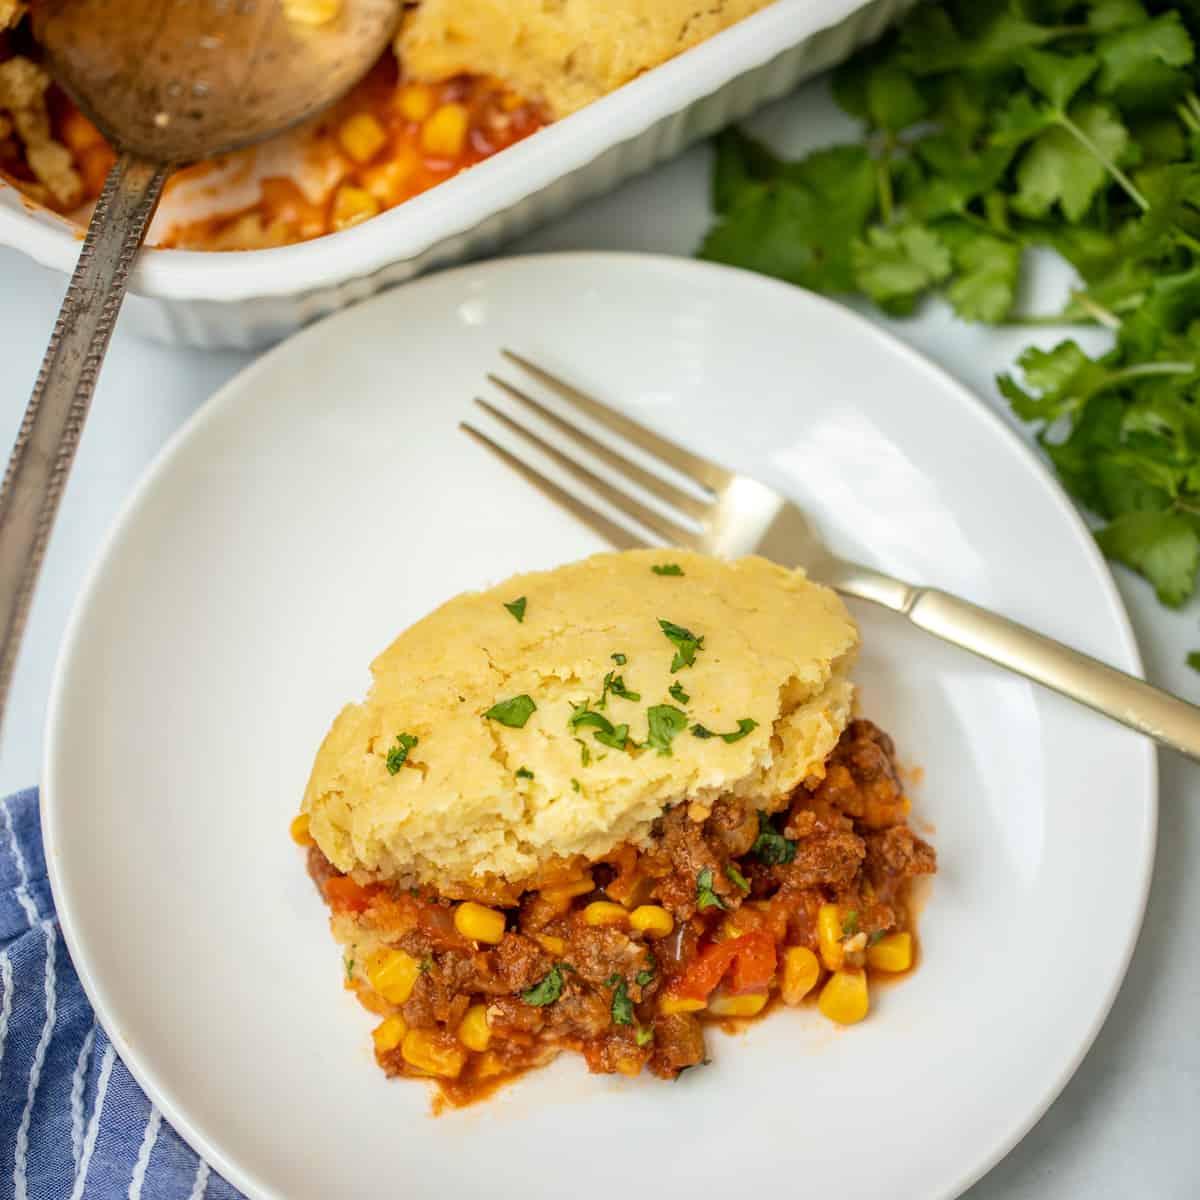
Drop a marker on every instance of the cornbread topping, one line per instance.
(591, 808)
(465, 81)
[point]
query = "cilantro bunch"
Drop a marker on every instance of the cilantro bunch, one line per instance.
(994, 126)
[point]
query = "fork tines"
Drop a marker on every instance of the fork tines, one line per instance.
(685, 513)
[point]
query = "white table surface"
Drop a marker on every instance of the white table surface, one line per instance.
(1126, 1125)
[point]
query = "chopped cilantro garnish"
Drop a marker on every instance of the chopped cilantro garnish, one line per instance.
(677, 692)
(735, 877)
(575, 786)
(547, 989)
(622, 1006)
(850, 923)
(425, 965)
(513, 713)
(771, 846)
(878, 935)
(517, 608)
(705, 896)
(1193, 660)
(685, 642)
(667, 569)
(616, 684)
(397, 756)
(745, 725)
(606, 733)
(664, 722)
(350, 968)
(585, 755)
(619, 659)
(524, 773)
(644, 978)
(644, 1035)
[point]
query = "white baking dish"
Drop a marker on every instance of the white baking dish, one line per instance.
(250, 298)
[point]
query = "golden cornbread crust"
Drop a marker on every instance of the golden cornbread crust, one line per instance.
(776, 649)
(561, 53)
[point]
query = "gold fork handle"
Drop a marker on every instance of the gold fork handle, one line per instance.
(49, 434)
(1125, 698)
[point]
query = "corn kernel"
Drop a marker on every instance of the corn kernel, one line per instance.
(299, 830)
(479, 922)
(415, 101)
(563, 893)
(389, 1034)
(351, 206)
(829, 936)
(668, 1004)
(749, 1005)
(605, 912)
(445, 131)
(891, 953)
(390, 181)
(362, 137)
(423, 1050)
(551, 944)
(800, 971)
(311, 12)
(652, 920)
(474, 1032)
(393, 974)
(844, 998)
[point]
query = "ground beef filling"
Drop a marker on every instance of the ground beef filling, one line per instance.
(625, 959)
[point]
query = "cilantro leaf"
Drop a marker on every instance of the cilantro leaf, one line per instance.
(619, 659)
(735, 877)
(705, 896)
(667, 569)
(517, 608)
(524, 773)
(397, 756)
(876, 937)
(644, 978)
(664, 723)
(850, 923)
(622, 1006)
(644, 1035)
(513, 712)
(985, 284)
(799, 227)
(1141, 65)
(585, 755)
(548, 989)
(1193, 659)
(744, 726)
(576, 786)
(896, 266)
(1065, 166)
(1058, 76)
(676, 692)
(771, 847)
(741, 162)
(1164, 547)
(616, 684)
(685, 642)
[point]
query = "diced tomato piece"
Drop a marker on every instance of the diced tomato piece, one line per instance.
(344, 895)
(751, 956)
(753, 965)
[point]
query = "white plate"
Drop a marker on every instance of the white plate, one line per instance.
(324, 499)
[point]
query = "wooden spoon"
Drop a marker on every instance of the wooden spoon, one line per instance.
(167, 82)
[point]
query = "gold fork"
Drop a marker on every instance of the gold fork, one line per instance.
(731, 515)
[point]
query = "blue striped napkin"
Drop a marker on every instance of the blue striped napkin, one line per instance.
(73, 1123)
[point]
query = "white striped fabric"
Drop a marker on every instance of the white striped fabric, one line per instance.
(74, 1125)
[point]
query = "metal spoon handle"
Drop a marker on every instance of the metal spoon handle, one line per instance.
(41, 460)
